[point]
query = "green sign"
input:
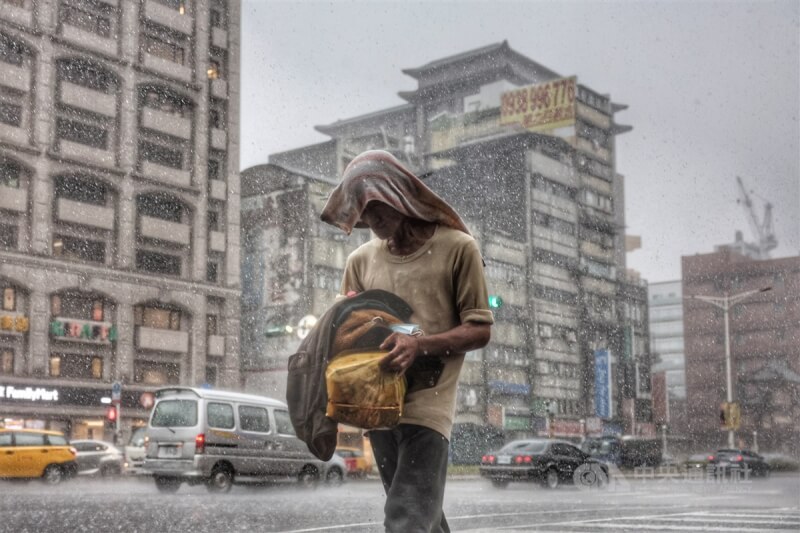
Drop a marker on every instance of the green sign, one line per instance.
(517, 422)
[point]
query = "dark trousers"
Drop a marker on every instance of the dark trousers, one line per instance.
(412, 461)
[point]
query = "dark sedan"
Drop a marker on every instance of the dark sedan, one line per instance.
(544, 461)
(741, 463)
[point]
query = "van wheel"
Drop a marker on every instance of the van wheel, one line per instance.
(221, 479)
(309, 477)
(334, 477)
(53, 475)
(167, 485)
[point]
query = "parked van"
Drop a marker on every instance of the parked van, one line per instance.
(220, 438)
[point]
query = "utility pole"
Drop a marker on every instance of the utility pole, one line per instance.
(725, 303)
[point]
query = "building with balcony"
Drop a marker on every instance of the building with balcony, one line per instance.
(547, 208)
(764, 329)
(119, 204)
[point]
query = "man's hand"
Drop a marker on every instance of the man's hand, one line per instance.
(403, 351)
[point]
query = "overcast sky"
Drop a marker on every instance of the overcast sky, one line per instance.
(713, 90)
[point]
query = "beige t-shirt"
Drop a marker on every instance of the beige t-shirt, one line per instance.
(444, 284)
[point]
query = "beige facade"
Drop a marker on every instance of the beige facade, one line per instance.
(119, 202)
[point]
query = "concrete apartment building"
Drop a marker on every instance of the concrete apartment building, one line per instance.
(765, 358)
(119, 205)
(547, 210)
(665, 302)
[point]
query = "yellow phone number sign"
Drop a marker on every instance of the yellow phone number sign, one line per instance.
(544, 106)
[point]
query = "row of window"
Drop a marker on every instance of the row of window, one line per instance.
(89, 307)
(79, 366)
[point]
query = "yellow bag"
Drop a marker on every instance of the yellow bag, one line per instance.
(361, 394)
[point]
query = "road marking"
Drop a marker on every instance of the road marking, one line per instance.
(621, 523)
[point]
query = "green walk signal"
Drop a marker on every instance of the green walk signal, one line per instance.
(495, 302)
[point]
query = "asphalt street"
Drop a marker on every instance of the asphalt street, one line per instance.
(471, 505)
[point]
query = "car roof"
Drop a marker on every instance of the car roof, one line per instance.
(40, 431)
(214, 394)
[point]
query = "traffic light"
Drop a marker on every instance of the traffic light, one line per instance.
(730, 415)
(495, 302)
(111, 417)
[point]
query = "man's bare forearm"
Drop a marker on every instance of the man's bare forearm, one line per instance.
(460, 339)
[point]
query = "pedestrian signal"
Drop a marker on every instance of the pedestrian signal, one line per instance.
(495, 302)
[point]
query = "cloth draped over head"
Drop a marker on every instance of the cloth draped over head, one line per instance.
(376, 175)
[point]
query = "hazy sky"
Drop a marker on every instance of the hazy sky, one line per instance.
(713, 90)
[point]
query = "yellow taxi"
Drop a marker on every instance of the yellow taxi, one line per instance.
(33, 453)
(358, 464)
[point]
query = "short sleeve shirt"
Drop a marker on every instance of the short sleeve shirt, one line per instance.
(444, 284)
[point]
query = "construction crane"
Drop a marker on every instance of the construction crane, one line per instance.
(763, 230)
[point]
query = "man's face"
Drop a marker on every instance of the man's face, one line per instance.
(382, 219)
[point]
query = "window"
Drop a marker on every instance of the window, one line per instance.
(161, 155)
(76, 366)
(87, 74)
(175, 413)
(218, 16)
(10, 174)
(211, 324)
(79, 249)
(12, 52)
(158, 263)
(213, 221)
(160, 47)
(157, 317)
(177, 5)
(91, 16)
(81, 132)
(9, 299)
(10, 113)
(212, 272)
(156, 373)
(24, 438)
(165, 100)
(80, 190)
(545, 330)
(283, 423)
(214, 170)
(211, 374)
(77, 305)
(253, 419)
(160, 206)
(16, 3)
(5, 439)
(220, 415)
(214, 70)
(6, 361)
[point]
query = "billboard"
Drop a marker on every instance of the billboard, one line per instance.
(541, 107)
(602, 383)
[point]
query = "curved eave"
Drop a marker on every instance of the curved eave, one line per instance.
(379, 116)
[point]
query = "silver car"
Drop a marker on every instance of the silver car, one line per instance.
(98, 458)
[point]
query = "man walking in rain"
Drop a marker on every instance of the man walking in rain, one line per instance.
(424, 254)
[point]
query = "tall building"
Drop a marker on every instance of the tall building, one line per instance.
(764, 330)
(119, 205)
(527, 157)
(665, 301)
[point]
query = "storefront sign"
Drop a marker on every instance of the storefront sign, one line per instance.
(602, 383)
(66, 396)
(28, 394)
(540, 107)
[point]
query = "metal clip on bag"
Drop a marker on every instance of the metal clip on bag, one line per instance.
(363, 395)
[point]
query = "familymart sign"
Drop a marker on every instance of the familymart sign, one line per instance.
(28, 394)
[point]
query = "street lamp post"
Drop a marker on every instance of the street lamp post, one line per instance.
(725, 303)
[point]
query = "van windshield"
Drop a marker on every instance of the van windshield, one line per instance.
(175, 413)
(137, 437)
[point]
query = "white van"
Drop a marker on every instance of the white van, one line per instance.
(220, 438)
